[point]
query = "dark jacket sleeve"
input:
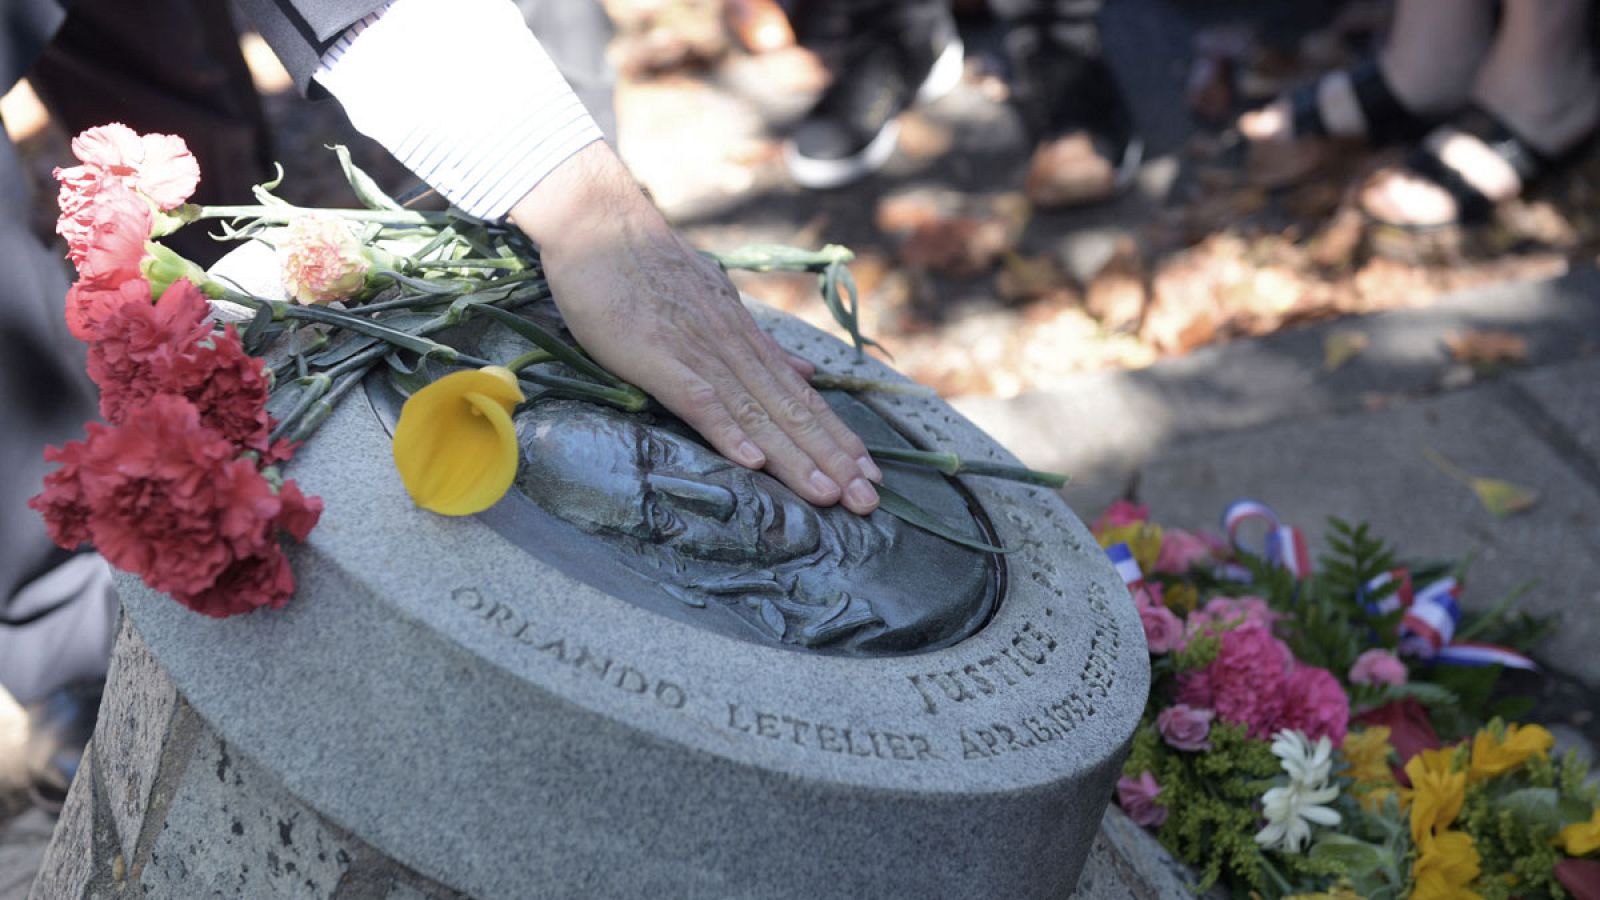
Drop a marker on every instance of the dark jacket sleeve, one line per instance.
(300, 30)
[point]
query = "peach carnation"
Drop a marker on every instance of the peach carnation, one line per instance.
(321, 260)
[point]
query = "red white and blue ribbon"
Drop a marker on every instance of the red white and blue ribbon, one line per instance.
(1284, 545)
(1127, 567)
(1427, 630)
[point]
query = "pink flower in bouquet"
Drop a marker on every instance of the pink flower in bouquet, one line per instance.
(1119, 514)
(1163, 630)
(321, 260)
(1137, 797)
(1245, 683)
(111, 247)
(1222, 613)
(1185, 728)
(136, 347)
(1315, 704)
(1378, 666)
(159, 166)
(1181, 551)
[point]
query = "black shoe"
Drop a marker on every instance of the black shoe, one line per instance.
(59, 728)
(882, 70)
(1061, 91)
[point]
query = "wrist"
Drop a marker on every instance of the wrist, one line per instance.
(590, 196)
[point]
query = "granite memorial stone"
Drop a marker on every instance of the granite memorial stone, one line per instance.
(644, 673)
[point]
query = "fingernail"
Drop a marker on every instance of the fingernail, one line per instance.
(869, 468)
(823, 485)
(751, 455)
(861, 495)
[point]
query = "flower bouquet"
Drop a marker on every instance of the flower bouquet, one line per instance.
(207, 389)
(1338, 731)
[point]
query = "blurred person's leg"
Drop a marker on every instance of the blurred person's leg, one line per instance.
(1536, 99)
(884, 55)
(1071, 106)
(1430, 56)
(59, 604)
(576, 33)
(168, 66)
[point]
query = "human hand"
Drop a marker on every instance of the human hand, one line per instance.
(649, 308)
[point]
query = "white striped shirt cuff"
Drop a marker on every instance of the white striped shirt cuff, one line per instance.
(462, 94)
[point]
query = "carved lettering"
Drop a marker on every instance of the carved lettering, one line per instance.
(866, 743)
(1028, 650)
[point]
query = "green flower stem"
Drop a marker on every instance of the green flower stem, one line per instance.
(778, 258)
(322, 408)
(556, 347)
(515, 265)
(951, 464)
(286, 214)
(315, 387)
(531, 358)
(403, 340)
(826, 381)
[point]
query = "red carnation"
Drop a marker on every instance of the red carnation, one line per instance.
(88, 307)
(137, 345)
(66, 513)
(230, 388)
(167, 498)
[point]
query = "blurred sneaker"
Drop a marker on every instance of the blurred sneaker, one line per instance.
(881, 71)
(1085, 148)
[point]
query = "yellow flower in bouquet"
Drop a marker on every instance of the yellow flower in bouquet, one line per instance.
(1436, 792)
(1367, 753)
(1446, 864)
(455, 445)
(1581, 838)
(1494, 755)
(1143, 540)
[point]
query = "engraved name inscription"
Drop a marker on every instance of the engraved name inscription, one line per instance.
(580, 657)
(864, 742)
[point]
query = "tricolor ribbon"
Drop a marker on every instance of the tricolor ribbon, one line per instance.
(1428, 628)
(1284, 546)
(1128, 567)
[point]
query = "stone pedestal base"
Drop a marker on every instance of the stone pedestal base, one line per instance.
(164, 807)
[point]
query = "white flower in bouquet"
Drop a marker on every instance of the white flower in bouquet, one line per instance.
(1292, 809)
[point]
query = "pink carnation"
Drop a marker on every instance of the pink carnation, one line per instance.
(1163, 630)
(321, 260)
(1222, 613)
(158, 166)
(1315, 703)
(1181, 551)
(1378, 666)
(1121, 513)
(1185, 728)
(1245, 683)
(135, 348)
(1137, 797)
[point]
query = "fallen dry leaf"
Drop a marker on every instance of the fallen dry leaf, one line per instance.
(1502, 498)
(1116, 294)
(1068, 171)
(1485, 347)
(1028, 277)
(1341, 346)
(960, 247)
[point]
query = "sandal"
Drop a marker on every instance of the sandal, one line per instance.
(1473, 206)
(1386, 121)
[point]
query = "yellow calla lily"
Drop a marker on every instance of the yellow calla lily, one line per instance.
(455, 446)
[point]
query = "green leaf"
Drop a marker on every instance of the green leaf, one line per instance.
(406, 379)
(1535, 806)
(367, 190)
(899, 506)
(1502, 498)
(1423, 692)
(1357, 857)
